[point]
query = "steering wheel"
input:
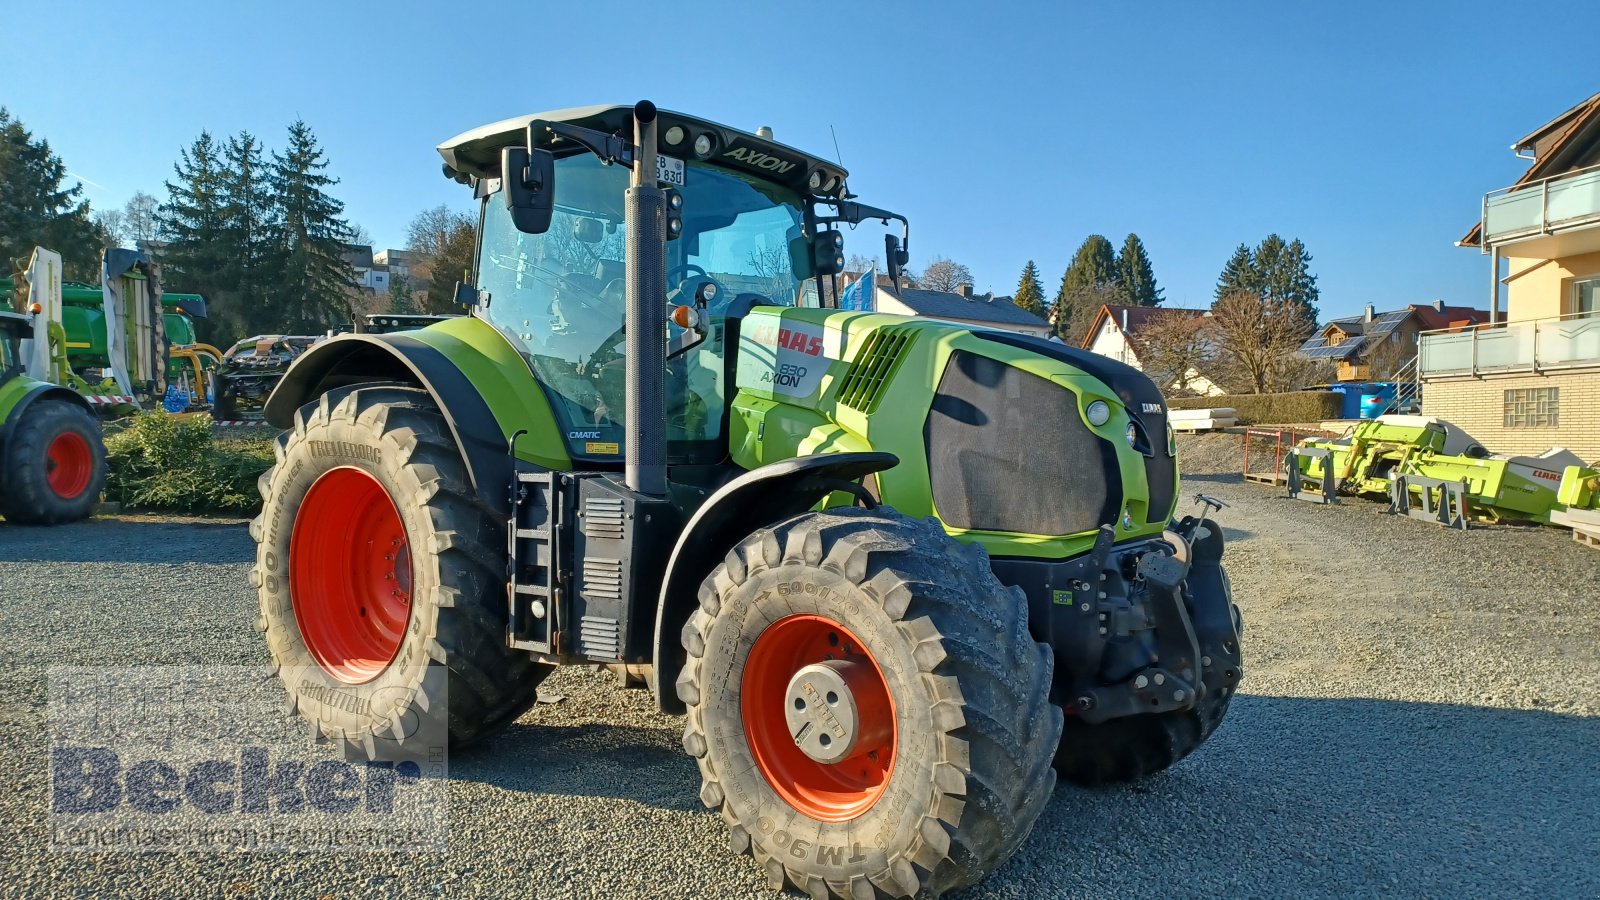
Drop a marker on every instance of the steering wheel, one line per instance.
(687, 269)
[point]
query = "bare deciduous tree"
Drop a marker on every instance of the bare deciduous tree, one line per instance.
(944, 274)
(1175, 347)
(139, 218)
(1386, 360)
(1257, 338)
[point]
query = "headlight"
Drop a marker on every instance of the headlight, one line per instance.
(1098, 413)
(1172, 440)
(675, 135)
(1133, 435)
(702, 146)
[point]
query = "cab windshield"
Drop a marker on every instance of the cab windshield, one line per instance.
(560, 296)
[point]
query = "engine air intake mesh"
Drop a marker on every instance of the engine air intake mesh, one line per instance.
(1008, 451)
(861, 385)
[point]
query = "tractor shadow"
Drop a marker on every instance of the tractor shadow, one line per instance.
(1291, 797)
(143, 541)
(625, 762)
(1298, 797)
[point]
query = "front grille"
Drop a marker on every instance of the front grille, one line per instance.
(1008, 451)
(1137, 392)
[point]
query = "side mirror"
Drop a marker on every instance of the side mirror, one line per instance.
(528, 182)
(896, 256)
(469, 296)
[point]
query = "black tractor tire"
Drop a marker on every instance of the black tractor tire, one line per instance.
(974, 729)
(1131, 748)
(49, 435)
(452, 654)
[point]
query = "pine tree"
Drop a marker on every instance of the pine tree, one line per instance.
(194, 256)
(250, 274)
(1030, 293)
(1093, 266)
(1239, 274)
(1274, 270)
(400, 301)
(37, 209)
(1135, 277)
(1088, 283)
(317, 285)
(1298, 284)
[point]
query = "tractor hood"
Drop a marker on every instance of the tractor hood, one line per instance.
(477, 152)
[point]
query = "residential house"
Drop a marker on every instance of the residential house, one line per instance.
(1120, 332)
(1374, 346)
(372, 277)
(398, 262)
(1530, 380)
(961, 306)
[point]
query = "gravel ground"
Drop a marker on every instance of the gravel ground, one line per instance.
(1420, 716)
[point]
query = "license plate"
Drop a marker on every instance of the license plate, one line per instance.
(669, 170)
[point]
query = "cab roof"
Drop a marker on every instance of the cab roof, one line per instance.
(477, 152)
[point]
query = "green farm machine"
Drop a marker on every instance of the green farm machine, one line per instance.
(1431, 469)
(75, 354)
(52, 461)
(897, 573)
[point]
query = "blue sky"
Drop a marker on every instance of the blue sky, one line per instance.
(1005, 131)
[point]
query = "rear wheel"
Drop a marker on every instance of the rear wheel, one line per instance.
(868, 711)
(381, 578)
(54, 466)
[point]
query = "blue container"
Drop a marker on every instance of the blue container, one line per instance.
(1376, 398)
(1352, 398)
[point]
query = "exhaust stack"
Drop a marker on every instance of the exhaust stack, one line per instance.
(644, 207)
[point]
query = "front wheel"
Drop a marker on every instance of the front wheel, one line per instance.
(54, 466)
(381, 579)
(868, 711)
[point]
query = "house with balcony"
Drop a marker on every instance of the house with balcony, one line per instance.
(1529, 379)
(1378, 346)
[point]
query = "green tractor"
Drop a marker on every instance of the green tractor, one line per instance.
(897, 573)
(52, 459)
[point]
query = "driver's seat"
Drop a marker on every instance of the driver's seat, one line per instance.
(612, 274)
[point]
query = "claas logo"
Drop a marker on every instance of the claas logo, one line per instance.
(789, 339)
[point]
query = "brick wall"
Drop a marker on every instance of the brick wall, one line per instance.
(1478, 406)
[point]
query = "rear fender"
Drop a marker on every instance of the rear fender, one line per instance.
(359, 358)
(754, 500)
(40, 390)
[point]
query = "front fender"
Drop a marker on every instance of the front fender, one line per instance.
(754, 500)
(469, 387)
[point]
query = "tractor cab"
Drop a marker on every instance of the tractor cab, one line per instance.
(747, 221)
(13, 328)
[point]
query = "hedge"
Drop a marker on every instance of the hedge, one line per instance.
(1272, 409)
(164, 462)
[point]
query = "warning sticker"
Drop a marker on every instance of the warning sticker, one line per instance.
(602, 447)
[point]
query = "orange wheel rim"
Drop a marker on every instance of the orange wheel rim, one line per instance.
(350, 575)
(69, 465)
(818, 717)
